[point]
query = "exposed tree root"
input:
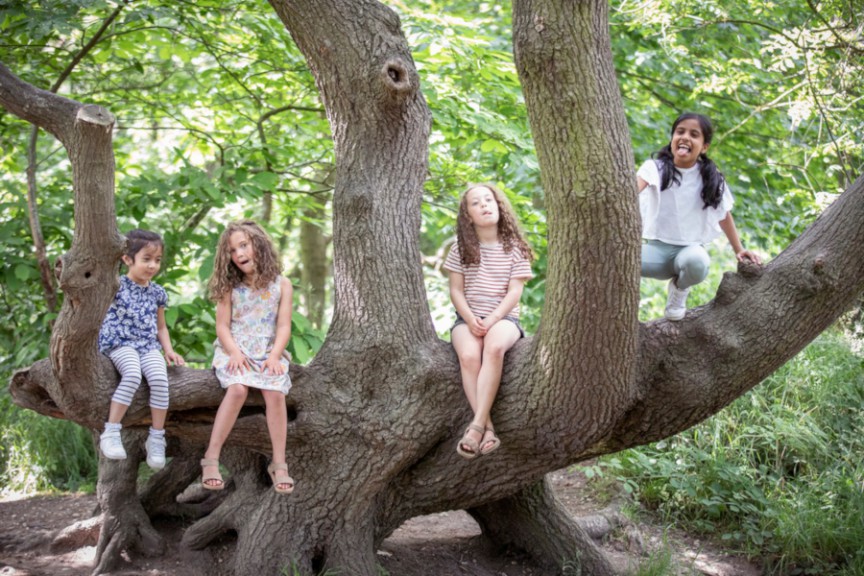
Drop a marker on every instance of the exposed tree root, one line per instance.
(159, 497)
(77, 535)
(536, 521)
(233, 505)
(125, 525)
(352, 550)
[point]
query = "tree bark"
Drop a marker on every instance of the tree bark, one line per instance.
(125, 524)
(535, 520)
(313, 254)
(374, 419)
(588, 336)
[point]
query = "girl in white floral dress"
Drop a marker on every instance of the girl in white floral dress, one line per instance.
(253, 326)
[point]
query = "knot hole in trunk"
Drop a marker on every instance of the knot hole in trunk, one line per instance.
(397, 77)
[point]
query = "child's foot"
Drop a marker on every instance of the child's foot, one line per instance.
(676, 302)
(282, 482)
(211, 479)
(111, 445)
(490, 441)
(469, 445)
(155, 448)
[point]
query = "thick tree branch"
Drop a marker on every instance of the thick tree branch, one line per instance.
(357, 53)
(760, 319)
(49, 111)
(587, 339)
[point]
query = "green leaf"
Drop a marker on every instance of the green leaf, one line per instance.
(265, 180)
(302, 352)
(171, 316)
(23, 272)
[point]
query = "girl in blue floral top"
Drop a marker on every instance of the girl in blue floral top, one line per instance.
(133, 335)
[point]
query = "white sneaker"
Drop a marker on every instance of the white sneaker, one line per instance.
(111, 445)
(155, 448)
(676, 302)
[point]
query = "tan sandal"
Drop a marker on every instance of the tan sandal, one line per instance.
(473, 446)
(489, 437)
(207, 462)
(280, 479)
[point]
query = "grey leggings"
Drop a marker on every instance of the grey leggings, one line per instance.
(687, 264)
(130, 365)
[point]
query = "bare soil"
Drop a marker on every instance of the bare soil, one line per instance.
(448, 543)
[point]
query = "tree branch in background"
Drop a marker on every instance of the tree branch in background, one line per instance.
(32, 187)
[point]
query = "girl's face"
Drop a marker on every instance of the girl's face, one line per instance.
(242, 252)
(688, 142)
(145, 264)
(482, 207)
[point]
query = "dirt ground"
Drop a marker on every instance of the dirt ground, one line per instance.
(442, 544)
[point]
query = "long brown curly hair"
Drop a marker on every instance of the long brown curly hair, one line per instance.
(509, 233)
(226, 276)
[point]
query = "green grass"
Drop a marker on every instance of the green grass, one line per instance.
(778, 474)
(39, 454)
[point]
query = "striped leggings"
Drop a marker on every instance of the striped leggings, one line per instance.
(131, 365)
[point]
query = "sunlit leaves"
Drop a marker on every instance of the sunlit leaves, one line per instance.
(776, 78)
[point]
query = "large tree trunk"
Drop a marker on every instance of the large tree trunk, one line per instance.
(374, 419)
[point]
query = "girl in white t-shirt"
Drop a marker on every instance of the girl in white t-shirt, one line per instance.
(488, 266)
(685, 203)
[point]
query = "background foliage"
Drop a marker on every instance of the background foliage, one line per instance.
(218, 119)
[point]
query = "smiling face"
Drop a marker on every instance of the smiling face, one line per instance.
(145, 264)
(482, 207)
(688, 142)
(242, 253)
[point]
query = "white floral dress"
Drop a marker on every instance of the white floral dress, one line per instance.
(253, 326)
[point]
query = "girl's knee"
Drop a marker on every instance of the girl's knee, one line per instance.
(696, 268)
(495, 350)
(470, 360)
(131, 378)
(237, 392)
(273, 396)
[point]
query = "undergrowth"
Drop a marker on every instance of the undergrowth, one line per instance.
(39, 454)
(777, 475)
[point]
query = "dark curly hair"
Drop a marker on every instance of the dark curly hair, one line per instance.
(509, 233)
(712, 179)
(226, 276)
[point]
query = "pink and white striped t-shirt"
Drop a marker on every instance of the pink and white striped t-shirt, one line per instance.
(486, 283)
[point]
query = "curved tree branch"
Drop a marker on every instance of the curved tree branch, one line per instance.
(32, 188)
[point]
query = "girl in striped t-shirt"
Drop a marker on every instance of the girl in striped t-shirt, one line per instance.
(488, 266)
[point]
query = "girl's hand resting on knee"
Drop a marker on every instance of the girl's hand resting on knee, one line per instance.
(237, 363)
(273, 366)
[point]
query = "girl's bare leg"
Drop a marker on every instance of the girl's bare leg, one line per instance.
(469, 349)
(158, 415)
(499, 339)
(226, 416)
(277, 426)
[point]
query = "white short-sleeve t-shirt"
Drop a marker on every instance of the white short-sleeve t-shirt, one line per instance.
(676, 216)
